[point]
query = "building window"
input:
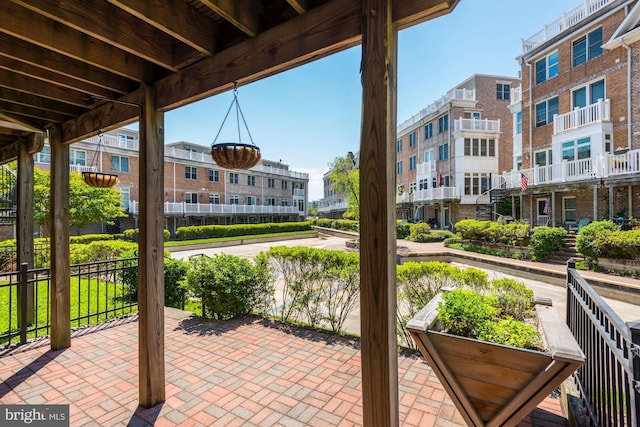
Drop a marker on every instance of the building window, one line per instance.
(271, 202)
(398, 146)
(546, 68)
(233, 178)
(587, 95)
(428, 131)
(234, 200)
(443, 152)
(43, 156)
(569, 208)
(475, 183)
(518, 163)
(518, 126)
(285, 185)
(119, 164)
(191, 197)
(443, 123)
(271, 183)
(503, 91)
(125, 197)
(190, 172)
(412, 187)
(214, 176)
(587, 47)
(479, 147)
(545, 111)
(77, 157)
(251, 180)
(399, 167)
(412, 139)
(284, 202)
(251, 200)
(580, 149)
(214, 199)
(423, 184)
(125, 141)
(412, 163)
(428, 156)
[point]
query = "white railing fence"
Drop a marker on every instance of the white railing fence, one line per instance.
(594, 113)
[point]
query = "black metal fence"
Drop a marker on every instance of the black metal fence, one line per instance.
(609, 383)
(99, 291)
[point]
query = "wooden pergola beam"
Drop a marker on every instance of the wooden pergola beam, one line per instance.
(300, 6)
(40, 88)
(28, 100)
(377, 216)
(243, 14)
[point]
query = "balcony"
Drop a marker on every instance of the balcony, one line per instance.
(602, 166)
(452, 95)
(82, 168)
(569, 19)
(516, 95)
(429, 195)
(595, 113)
(114, 141)
(426, 168)
(476, 125)
(339, 206)
(210, 209)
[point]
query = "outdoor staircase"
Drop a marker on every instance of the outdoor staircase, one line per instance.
(569, 251)
(486, 202)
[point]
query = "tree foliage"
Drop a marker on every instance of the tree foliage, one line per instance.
(345, 177)
(86, 204)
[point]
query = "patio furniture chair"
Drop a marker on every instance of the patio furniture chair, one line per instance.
(581, 223)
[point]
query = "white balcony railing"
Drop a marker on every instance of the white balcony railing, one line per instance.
(602, 166)
(82, 168)
(114, 141)
(516, 94)
(567, 20)
(452, 95)
(429, 194)
(340, 206)
(481, 125)
(208, 209)
(594, 113)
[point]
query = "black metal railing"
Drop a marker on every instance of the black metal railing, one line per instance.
(98, 291)
(609, 382)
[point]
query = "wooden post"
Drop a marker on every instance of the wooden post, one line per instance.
(377, 216)
(60, 270)
(24, 221)
(151, 251)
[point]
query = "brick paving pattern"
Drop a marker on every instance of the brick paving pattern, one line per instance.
(244, 372)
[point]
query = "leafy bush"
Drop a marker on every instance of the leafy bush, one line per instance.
(617, 244)
(88, 238)
(228, 286)
(100, 250)
(472, 229)
(513, 298)
(512, 333)
(132, 234)
(175, 293)
(546, 240)
(319, 286)
(455, 239)
(436, 236)
(514, 233)
(586, 238)
(419, 231)
(214, 231)
(402, 229)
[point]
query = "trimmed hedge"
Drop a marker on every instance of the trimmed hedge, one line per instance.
(586, 242)
(214, 231)
(132, 235)
(546, 240)
(514, 233)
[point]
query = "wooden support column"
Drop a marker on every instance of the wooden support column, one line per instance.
(377, 216)
(151, 251)
(60, 259)
(24, 219)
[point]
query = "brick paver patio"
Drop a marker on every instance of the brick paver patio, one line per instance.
(245, 372)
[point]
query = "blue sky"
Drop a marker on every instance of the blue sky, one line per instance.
(308, 116)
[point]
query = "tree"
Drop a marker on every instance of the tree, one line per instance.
(87, 204)
(345, 178)
(313, 210)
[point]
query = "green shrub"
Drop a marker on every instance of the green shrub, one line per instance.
(346, 225)
(464, 312)
(617, 244)
(215, 231)
(586, 238)
(453, 240)
(100, 250)
(419, 232)
(512, 333)
(514, 233)
(472, 229)
(402, 229)
(175, 293)
(132, 235)
(323, 222)
(228, 286)
(546, 240)
(513, 298)
(435, 236)
(88, 238)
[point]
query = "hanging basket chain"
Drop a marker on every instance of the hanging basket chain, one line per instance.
(239, 114)
(99, 179)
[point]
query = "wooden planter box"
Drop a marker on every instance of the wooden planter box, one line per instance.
(492, 384)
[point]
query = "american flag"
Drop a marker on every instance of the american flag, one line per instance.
(524, 182)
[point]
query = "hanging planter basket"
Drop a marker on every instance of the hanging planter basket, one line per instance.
(100, 179)
(235, 155)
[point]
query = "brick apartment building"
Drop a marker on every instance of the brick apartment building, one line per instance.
(196, 190)
(576, 151)
(449, 152)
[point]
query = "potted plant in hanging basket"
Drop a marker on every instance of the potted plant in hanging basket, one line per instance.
(98, 178)
(491, 383)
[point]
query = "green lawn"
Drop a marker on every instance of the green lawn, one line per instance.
(87, 296)
(227, 239)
